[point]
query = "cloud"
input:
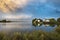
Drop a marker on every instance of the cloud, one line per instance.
(20, 16)
(43, 1)
(56, 1)
(11, 5)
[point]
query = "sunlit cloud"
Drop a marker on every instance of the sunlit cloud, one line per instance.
(11, 5)
(36, 7)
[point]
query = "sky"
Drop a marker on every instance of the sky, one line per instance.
(29, 9)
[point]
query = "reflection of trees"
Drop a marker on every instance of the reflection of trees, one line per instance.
(37, 22)
(40, 25)
(51, 22)
(51, 25)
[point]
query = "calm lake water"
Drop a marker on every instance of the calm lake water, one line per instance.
(24, 26)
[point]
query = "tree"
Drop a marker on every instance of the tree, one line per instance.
(58, 20)
(52, 21)
(37, 22)
(34, 22)
(40, 20)
(4, 20)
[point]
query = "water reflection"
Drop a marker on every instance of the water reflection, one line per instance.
(15, 26)
(25, 26)
(51, 25)
(45, 27)
(45, 24)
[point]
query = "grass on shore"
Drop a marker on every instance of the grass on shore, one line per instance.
(35, 35)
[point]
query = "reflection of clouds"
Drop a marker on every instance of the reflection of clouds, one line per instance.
(47, 28)
(46, 25)
(23, 26)
(17, 26)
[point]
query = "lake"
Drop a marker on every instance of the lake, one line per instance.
(24, 26)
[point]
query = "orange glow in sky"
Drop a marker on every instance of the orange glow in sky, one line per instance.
(11, 5)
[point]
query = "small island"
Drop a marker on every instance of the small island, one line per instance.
(4, 20)
(51, 21)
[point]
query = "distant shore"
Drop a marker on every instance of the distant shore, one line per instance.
(5, 21)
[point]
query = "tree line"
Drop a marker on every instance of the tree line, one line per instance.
(46, 21)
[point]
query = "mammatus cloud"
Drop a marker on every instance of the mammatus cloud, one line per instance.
(21, 16)
(11, 5)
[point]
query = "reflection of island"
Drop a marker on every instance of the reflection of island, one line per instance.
(4, 20)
